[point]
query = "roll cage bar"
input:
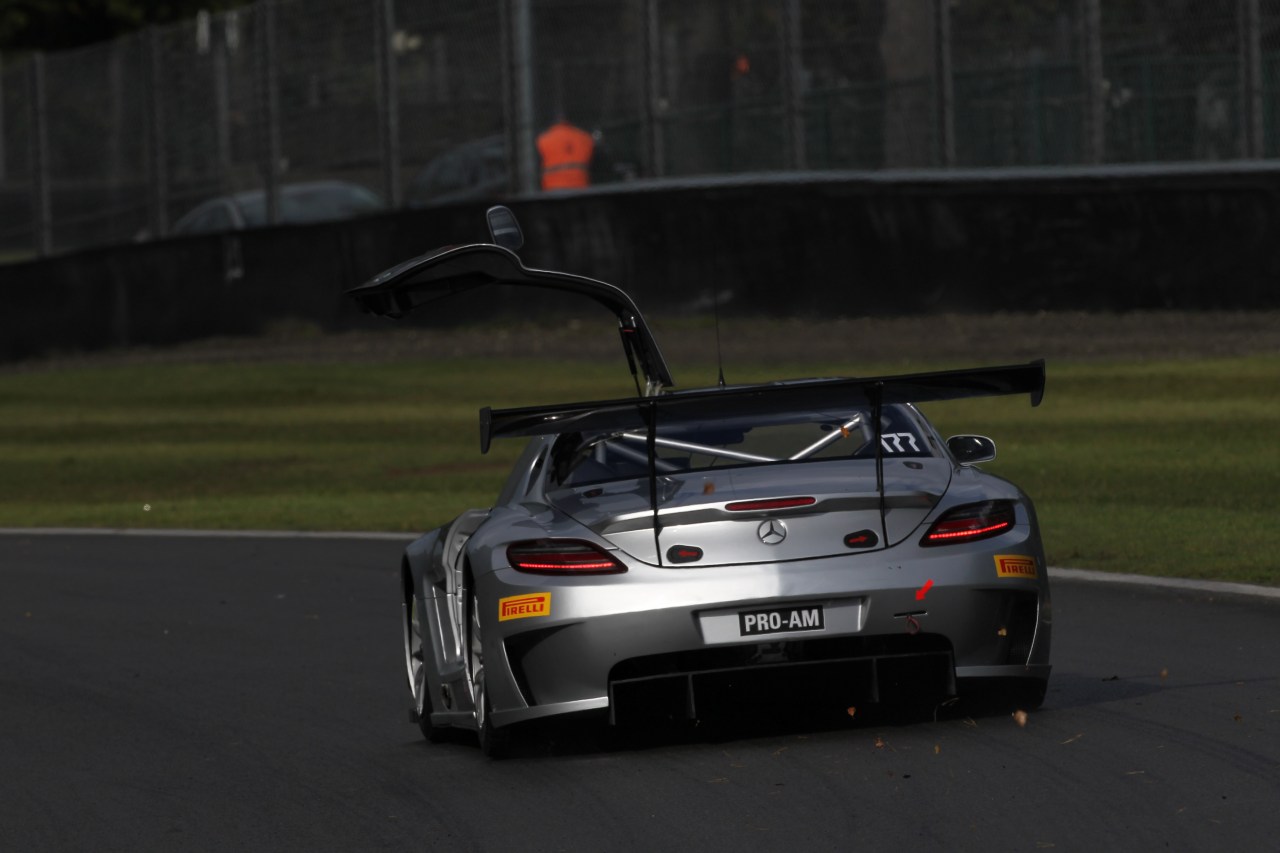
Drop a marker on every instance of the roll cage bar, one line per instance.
(843, 430)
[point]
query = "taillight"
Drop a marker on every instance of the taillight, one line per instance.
(970, 523)
(562, 556)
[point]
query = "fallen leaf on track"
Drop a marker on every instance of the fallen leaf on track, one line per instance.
(1020, 717)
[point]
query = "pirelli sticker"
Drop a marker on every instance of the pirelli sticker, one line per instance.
(524, 606)
(1015, 566)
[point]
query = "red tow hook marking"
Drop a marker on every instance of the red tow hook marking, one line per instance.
(920, 593)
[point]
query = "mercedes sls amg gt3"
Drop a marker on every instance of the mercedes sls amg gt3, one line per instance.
(681, 552)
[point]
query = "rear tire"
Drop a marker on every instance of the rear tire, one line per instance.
(423, 709)
(495, 742)
(415, 663)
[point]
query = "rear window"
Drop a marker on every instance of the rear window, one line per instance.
(578, 459)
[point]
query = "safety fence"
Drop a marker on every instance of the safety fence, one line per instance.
(840, 244)
(428, 101)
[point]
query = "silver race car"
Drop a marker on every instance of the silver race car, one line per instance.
(680, 553)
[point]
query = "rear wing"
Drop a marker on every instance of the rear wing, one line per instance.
(458, 269)
(816, 394)
(813, 395)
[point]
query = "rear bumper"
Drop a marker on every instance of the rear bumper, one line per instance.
(604, 641)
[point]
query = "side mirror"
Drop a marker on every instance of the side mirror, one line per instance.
(504, 230)
(971, 449)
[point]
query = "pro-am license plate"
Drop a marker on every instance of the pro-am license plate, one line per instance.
(781, 620)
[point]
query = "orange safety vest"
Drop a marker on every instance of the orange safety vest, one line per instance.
(566, 156)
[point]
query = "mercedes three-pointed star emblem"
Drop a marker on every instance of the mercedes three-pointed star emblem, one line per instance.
(771, 531)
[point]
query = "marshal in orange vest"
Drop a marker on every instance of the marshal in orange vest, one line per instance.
(566, 156)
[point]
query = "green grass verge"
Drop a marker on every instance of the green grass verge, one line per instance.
(1163, 468)
(1168, 468)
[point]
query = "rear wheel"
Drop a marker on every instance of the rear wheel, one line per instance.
(494, 742)
(415, 663)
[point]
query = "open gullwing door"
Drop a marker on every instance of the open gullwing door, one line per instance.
(457, 269)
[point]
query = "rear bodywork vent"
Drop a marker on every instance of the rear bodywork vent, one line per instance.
(811, 675)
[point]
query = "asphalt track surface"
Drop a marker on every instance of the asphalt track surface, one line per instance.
(191, 693)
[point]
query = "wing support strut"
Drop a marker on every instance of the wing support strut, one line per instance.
(650, 413)
(875, 395)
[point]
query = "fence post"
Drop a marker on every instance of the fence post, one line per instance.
(1095, 115)
(41, 219)
(508, 95)
(157, 173)
(384, 28)
(2, 157)
(945, 88)
(1249, 26)
(1094, 107)
(517, 40)
(222, 105)
(270, 96)
(651, 109)
(117, 127)
(793, 143)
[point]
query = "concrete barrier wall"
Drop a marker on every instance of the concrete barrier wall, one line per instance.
(1107, 239)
